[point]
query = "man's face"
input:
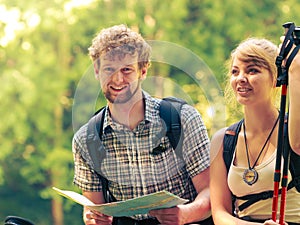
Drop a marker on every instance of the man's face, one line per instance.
(120, 78)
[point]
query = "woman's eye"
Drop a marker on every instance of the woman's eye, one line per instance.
(253, 71)
(234, 72)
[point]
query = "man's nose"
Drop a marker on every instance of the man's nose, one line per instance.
(118, 76)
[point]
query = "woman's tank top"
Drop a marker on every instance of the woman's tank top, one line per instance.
(263, 208)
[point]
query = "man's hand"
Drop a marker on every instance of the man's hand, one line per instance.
(170, 216)
(91, 217)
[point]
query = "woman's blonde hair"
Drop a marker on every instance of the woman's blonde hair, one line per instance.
(260, 51)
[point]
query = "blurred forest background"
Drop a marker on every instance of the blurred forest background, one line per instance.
(43, 56)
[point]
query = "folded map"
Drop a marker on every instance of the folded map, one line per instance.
(131, 207)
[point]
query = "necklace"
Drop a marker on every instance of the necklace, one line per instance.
(250, 175)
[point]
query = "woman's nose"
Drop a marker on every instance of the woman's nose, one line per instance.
(241, 77)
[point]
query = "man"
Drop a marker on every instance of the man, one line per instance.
(131, 131)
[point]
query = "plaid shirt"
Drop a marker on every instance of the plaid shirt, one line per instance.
(130, 165)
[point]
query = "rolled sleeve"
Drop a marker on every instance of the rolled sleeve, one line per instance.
(196, 141)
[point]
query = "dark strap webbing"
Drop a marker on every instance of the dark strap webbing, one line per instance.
(229, 144)
(94, 144)
(96, 149)
(169, 112)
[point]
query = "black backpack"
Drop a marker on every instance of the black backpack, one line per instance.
(229, 143)
(16, 220)
(169, 112)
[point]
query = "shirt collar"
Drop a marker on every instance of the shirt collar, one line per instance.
(151, 111)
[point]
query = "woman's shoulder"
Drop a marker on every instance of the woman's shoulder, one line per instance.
(216, 144)
(219, 135)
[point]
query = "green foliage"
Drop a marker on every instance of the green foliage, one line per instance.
(42, 66)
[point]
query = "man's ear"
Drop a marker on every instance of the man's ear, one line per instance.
(143, 73)
(96, 65)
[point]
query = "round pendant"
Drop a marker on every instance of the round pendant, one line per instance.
(250, 176)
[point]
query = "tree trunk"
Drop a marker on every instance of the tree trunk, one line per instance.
(57, 211)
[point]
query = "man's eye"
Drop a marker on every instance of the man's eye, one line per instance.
(127, 70)
(108, 70)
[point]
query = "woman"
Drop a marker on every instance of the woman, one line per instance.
(253, 73)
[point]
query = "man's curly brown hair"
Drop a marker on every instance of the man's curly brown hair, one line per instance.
(119, 41)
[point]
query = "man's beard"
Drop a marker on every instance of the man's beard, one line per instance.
(124, 97)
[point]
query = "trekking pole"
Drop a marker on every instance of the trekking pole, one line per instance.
(277, 173)
(282, 80)
(283, 147)
(285, 171)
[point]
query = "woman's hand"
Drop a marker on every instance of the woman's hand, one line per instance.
(295, 65)
(271, 222)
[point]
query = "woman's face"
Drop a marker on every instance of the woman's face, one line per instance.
(251, 83)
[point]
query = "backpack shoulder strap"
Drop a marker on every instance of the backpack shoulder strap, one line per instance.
(96, 149)
(93, 141)
(229, 142)
(169, 112)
